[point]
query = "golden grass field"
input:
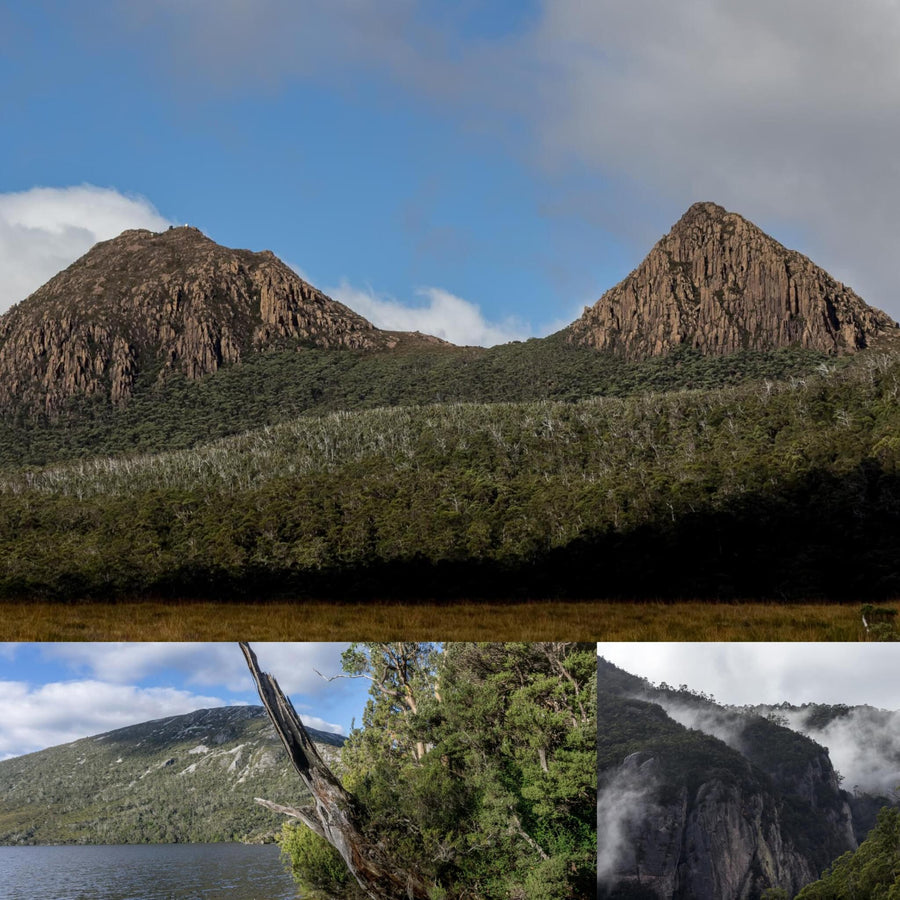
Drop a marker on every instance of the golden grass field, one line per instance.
(304, 620)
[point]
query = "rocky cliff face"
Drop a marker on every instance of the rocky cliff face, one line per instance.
(685, 814)
(722, 839)
(717, 283)
(146, 303)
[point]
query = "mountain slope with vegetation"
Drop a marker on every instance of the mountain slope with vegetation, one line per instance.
(696, 799)
(190, 778)
(270, 388)
(154, 341)
(355, 461)
(768, 489)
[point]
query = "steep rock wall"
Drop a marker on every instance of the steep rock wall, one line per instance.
(158, 303)
(723, 838)
(718, 283)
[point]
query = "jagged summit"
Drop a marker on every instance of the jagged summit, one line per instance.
(718, 283)
(153, 303)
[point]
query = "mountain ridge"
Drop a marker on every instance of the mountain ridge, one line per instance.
(722, 801)
(191, 777)
(144, 307)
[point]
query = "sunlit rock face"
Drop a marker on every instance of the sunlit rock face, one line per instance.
(718, 284)
(150, 304)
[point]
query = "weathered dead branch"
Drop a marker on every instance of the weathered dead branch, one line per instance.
(336, 816)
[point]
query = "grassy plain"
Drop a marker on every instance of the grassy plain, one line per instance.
(587, 620)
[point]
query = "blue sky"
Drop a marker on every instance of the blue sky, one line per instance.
(492, 166)
(52, 693)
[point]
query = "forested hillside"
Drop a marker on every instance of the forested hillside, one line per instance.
(767, 489)
(700, 800)
(268, 388)
(186, 778)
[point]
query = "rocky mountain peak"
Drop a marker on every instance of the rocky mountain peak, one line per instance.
(147, 303)
(718, 283)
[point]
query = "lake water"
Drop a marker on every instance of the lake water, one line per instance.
(145, 872)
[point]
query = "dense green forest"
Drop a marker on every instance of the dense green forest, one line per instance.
(474, 768)
(765, 489)
(272, 387)
(870, 873)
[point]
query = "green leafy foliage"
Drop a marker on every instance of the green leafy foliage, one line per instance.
(476, 766)
(872, 872)
(316, 866)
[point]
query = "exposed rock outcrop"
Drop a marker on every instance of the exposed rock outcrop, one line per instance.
(717, 283)
(722, 839)
(685, 814)
(148, 304)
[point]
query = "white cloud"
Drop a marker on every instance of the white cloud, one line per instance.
(443, 315)
(59, 712)
(755, 673)
(220, 665)
(43, 230)
(321, 724)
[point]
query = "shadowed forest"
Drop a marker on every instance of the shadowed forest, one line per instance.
(779, 490)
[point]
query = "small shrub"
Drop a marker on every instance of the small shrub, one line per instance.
(316, 866)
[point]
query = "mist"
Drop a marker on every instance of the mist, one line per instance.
(622, 804)
(864, 745)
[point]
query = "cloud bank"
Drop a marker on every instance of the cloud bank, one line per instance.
(443, 315)
(59, 712)
(210, 663)
(787, 113)
(757, 673)
(44, 229)
(864, 747)
(119, 684)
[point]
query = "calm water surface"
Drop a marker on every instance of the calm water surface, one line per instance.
(145, 872)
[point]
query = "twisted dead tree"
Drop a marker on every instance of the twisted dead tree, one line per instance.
(336, 815)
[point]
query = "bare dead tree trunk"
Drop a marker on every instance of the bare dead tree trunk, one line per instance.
(336, 816)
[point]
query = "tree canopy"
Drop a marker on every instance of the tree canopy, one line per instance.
(872, 872)
(475, 769)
